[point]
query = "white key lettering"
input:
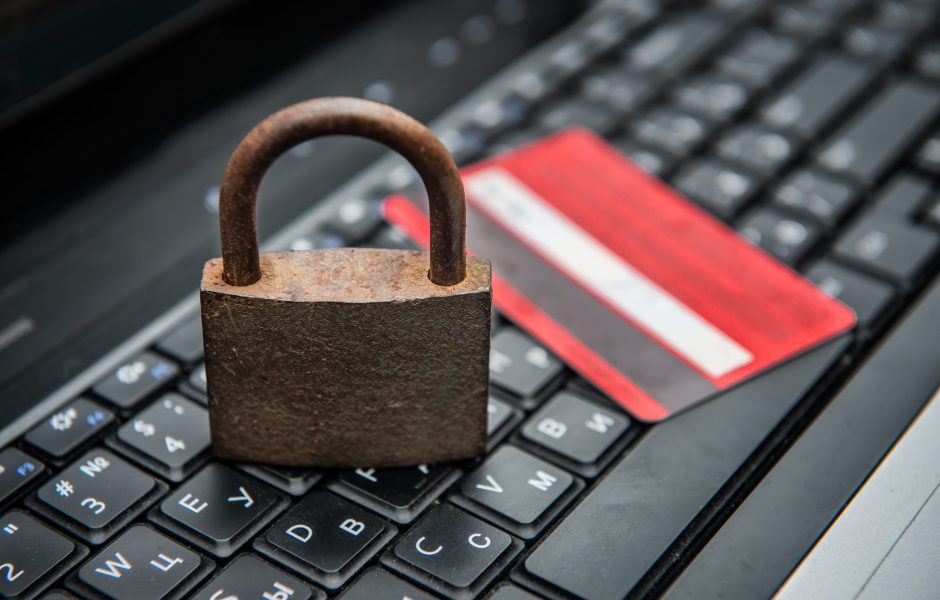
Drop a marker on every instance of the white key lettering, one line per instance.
(300, 532)
(113, 568)
(544, 481)
(420, 548)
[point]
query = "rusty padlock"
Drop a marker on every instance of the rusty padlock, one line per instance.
(345, 357)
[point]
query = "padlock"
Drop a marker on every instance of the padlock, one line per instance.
(345, 357)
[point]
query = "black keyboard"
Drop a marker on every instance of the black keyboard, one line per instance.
(812, 127)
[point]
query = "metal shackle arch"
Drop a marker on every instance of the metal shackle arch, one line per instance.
(272, 137)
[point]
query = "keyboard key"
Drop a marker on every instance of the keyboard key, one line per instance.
(142, 564)
(296, 481)
(67, 430)
(928, 157)
(325, 538)
(759, 148)
(615, 88)
(250, 577)
(218, 509)
(519, 365)
(654, 162)
(198, 380)
(718, 186)
(632, 516)
(891, 249)
(872, 42)
(759, 58)
(878, 135)
(717, 98)
(450, 551)
(99, 492)
(671, 130)
(511, 592)
(810, 101)
(376, 583)
(576, 112)
(17, 469)
(355, 220)
(184, 343)
(575, 428)
(136, 379)
(496, 115)
(816, 195)
(32, 555)
(807, 20)
(500, 418)
(927, 60)
(171, 433)
(675, 45)
(903, 197)
(399, 494)
(868, 297)
(522, 491)
(788, 239)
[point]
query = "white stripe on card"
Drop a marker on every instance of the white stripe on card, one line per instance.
(581, 257)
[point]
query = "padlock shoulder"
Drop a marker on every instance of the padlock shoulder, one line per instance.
(347, 275)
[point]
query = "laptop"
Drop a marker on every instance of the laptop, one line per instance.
(812, 127)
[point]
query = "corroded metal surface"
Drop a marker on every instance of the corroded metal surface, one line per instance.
(348, 357)
(341, 116)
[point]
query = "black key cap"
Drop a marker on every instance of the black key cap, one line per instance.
(766, 537)
(868, 297)
(903, 197)
(184, 343)
(500, 418)
(17, 469)
(325, 538)
(810, 101)
(378, 584)
(718, 186)
(633, 515)
(511, 592)
(759, 148)
(218, 509)
(250, 577)
(672, 130)
(521, 366)
(136, 379)
(654, 162)
(816, 195)
(399, 494)
(759, 58)
(675, 45)
(576, 112)
(355, 220)
(715, 97)
(615, 88)
(928, 157)
(31, 555)
(522, 492)
(927, 61)
(789, 239)
(171, 434)
(889, 248)
(451, 551)
(575, 428)
(877, 136)
(142, 564)
(100, 492)
(296, 481)
(70, 428)
(198, 379)
(804, 19)
(493, 116)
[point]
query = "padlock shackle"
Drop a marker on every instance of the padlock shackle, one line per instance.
(272, 137)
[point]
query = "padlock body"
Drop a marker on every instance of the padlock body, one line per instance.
(347, 358)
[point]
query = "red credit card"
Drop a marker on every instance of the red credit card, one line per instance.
(647, 296)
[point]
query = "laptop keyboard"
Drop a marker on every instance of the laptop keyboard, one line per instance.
(810, 127)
